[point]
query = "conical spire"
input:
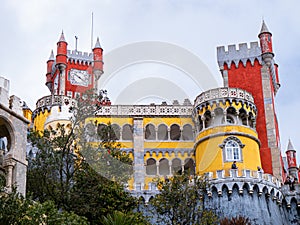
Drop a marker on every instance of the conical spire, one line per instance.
(97, 45)
(264, 28)
(51, 55)
(62, 37)
(290, 146)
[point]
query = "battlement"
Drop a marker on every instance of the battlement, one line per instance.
(238, 54)
(80, 57)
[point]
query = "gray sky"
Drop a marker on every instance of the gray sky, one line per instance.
(31, 28)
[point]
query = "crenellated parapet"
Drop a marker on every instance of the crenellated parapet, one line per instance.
(291, 196)
(246, 180)
(80, 57)
(239, 54)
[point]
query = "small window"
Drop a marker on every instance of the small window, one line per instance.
(151, 168)
(127, 132)
(187, 132)
(150, 133)
(232, 149)
(175, 132)
(164, 168)
(162, 132)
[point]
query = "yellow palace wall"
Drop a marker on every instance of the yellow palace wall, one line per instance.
(209, 154)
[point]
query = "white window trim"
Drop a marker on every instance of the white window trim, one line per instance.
(226, 158)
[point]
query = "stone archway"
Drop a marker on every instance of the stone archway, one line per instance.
(6, 135)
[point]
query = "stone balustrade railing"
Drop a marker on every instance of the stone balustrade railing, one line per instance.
(143, 110)
(223, 92)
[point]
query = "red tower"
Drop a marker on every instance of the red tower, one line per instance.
(73, 72)
(291, 160)
(254, 70)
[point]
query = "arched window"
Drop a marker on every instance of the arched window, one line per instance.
(164, 168)
(187, 132)
(189, 166)
(102, 131)
(150, 132)
(200, 123)
(232, 147)
(176, 166)
(243, 116)
(162, 132)
(208, 119)
(127, 132)
(115, 132)
(219, 116)
(230, 115)
(251, 120)
(151, 168)
(232, 151)
(90, 129)
(175, 132)
(5, 135)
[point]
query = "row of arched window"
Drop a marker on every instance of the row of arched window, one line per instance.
(230, 116)
(166, 167)
(162, 132)
(114, 132)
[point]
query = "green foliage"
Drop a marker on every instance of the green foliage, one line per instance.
(95, 196)
(51, 172)
(238, 220)
(74, 174)
(119, 218)
(16, 210)
(180, 201)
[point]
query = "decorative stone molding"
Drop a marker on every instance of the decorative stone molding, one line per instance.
(48, 101)
(224, 92)
(145, 110)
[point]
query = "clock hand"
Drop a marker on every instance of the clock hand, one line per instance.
(78, 76)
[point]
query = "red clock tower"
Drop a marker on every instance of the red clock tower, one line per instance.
(254, 70)
(71, 73)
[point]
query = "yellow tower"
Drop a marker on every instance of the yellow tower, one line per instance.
(225, 124)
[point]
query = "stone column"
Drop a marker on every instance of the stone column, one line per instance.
(9, 165)
(138, 151)
(62, 82)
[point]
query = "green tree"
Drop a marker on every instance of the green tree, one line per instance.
(119, 218)
(16, 210)
(77, 175)
(180, 201)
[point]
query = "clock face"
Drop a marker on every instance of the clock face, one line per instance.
(79, 77)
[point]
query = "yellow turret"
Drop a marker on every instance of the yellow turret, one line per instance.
(225, 122)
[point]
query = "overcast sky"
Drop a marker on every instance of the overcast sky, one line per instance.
(31, 28)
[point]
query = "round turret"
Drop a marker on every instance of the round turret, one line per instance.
(50, 62)
(265, 38)
(98, 62)
(225, 123)
(61, 57)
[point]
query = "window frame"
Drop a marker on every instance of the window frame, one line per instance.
(236, 149)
